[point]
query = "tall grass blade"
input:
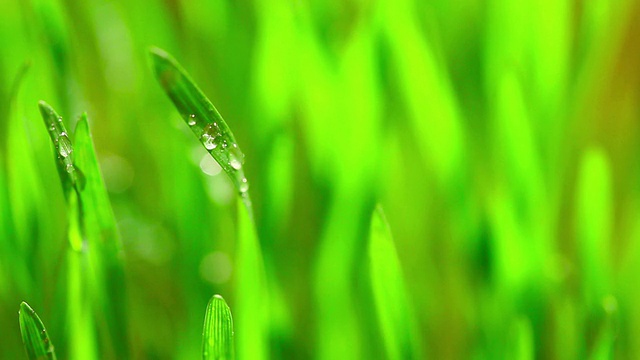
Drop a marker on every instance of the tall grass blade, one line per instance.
(214, 134)
(217, 335)
(100, 231)
(251, 293)
(34, 335)
(593, 214)
(389, 292)
(201, 116)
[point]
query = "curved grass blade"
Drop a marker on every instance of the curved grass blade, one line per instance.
(217, 334)
(70, 176)
(34, 335)
(201, 116)
(214, 134)
(389, 292)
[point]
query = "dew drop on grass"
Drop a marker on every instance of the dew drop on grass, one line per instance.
(244, 185)
(192, 120)
(210, 136)
(236, 157)
(235, 163)
(64, 145)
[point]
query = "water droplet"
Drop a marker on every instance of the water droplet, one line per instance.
(59, 119)
(235, 163)
(69, 168)
(52, 128)
(209, 136)
(64, 145)
(192, 119)
(236, 157)
(244, 185)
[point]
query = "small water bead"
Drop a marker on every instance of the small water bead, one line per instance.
(244, 185)
(64, 145)
(236, 157)
(235, 163)
(69, 168)
(192, 119)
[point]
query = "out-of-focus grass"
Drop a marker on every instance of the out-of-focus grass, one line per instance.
(500, 137)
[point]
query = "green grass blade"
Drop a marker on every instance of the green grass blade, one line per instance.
(251, 303)
(34, 335)
(217, 335)
(100, 230)
(389, 292)
(201, 116)
(594, 204)
(6, 104)
(100, 222)
(69, 174)
(214, 134)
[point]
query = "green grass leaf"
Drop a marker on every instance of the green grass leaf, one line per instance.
(214, 134)
(69, 174)
(34, 335)
(594, 206)
(201, 116)
(390, 296)
(251, 294)
(217, 335)
(100, 231)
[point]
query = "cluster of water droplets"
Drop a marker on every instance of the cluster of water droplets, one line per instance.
(64, 150)
(214, 138)
(63, 146)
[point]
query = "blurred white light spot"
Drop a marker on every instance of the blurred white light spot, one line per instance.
(209, 166)
(151, 242)
(216, 268)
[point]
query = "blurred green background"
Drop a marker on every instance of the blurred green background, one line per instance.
(500, 137)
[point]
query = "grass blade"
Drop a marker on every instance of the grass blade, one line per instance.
(69, 174)
(594, 204)
(389, 292)
(100, 231)
(251, 295)
(201, 116)
(34, 335)
(214, 134)
(217, 335)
